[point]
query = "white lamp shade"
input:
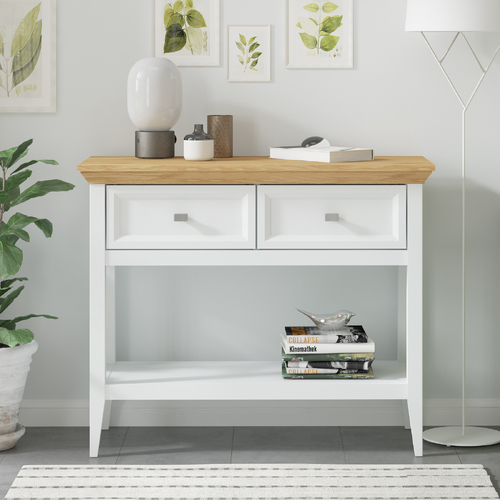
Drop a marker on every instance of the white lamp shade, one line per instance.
(154, 94)
(453, 15)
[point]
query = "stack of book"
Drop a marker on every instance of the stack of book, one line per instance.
(309, 352)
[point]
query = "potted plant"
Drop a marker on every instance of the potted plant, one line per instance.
(17, 345)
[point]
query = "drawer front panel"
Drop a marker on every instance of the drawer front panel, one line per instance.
(180, 217)
(343, 217)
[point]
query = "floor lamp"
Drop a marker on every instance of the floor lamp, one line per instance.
(458, 16)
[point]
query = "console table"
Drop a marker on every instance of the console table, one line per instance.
(250, 211)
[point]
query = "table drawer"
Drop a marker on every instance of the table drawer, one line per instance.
(350, 217)
(180, 217)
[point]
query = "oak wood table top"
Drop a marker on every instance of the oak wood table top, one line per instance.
(254, 170)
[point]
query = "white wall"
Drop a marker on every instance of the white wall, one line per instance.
(395, 100)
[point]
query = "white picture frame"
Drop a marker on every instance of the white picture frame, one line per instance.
(306, 47)
(28, 43)
(205, 50)
(249, 53)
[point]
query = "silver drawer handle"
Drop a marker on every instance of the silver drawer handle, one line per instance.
(180, 217)
(332, 217)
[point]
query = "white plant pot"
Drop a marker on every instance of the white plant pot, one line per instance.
(14, 367)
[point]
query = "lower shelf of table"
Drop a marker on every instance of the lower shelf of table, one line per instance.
(244, 380)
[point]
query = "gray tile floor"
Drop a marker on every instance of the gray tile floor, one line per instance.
(198, 445)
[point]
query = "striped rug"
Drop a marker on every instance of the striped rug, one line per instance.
(266, 482)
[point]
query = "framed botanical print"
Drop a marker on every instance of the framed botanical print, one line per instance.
(28, 56)
(320, 34)
(249, 53)
(187, 31)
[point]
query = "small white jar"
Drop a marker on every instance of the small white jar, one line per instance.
(198, 146)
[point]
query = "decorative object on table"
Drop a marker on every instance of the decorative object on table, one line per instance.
(28, 56)
(249, 53)
(198, 146)
(458, 16)
(17, 344)
(311, 352)
(187, 31)
(319, 149)
(319, 34)
(332, 321)
(220, 127)
(154, 99)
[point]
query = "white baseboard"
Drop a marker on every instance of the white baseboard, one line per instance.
(44, 412)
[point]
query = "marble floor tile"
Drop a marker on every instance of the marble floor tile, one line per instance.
(287, 445)
(390, 445)
(177, 445)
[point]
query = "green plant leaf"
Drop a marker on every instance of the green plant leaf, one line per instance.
(329, 7)
(178, 6)
(298, 25)
(309, 41)
(253, 46)
(243, 40)
(10, 324)
(20, 221)
(312, 7)
(32, 162)
(313, 20)
(41, 188)
(12, 338)
(31, 52)
(238, 44)
(13, 193)
(248, 60)
(330, 24)
(16, 180)
(24, 56)
(241, 60)
(189, 4)
(11, 259)
(2, 47)
(169, 12)
(7, 301)
(308, 26)
(254, 63)
(24, 30)
(194, 40)
(328, 42)
(195, 19)
(7, 283)
(254, 69)
(176, 19)
(4, 197)
(12, 155)
(252, 40)
(175, 39)
(256, 54)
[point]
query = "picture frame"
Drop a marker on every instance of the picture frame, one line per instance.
(28, 56)
(249, 53)
(195, 41)
(319, 34)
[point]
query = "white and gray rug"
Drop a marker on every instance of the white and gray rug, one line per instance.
(266, 482)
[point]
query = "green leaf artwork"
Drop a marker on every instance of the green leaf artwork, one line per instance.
(25, 51)
(316, 33)
(14, 230)
(249, 53)
(183, 27)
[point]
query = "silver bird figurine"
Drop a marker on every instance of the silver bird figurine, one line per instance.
(333, 321)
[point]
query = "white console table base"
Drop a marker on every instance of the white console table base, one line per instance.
(111, 380)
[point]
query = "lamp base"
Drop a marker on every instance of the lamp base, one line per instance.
(453, 436)
(155, 144)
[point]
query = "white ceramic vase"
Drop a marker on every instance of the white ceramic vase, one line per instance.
(14, 367)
